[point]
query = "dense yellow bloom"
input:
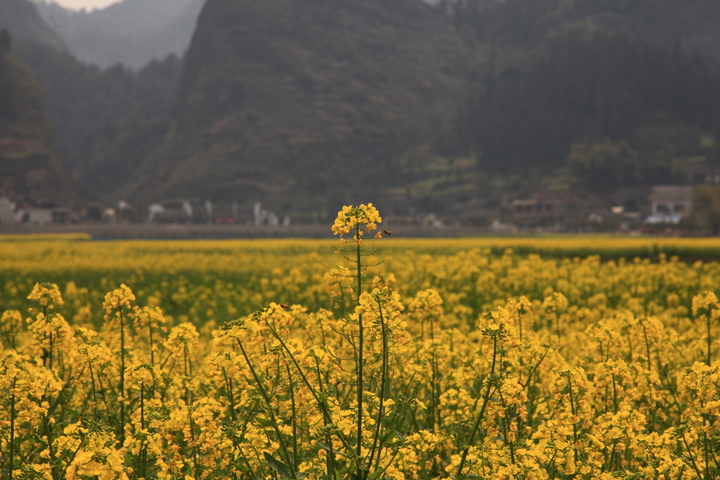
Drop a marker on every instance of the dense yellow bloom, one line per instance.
(10, 325)
(46, 294)
(350, 218)
(120, 297)
(555, 303)
(503, 365)
(95, 457)
(705, 303)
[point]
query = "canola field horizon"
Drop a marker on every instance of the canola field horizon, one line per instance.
(256, 271)
(482, 358)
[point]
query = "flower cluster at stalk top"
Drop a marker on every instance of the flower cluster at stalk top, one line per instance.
(350, 218)
(47, 294)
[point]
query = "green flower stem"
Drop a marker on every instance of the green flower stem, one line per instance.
(709, 340)
(384, 380)
(506, 429)
(291, 389)
(319, 398)
(273, 419)
(122, 378)
(573, 411)
(152, 353)
(143, 449)
(361, 474)
(12, 430)
(231, 396)
(692, 457)
(196, 467)
(49, 436)
(435, 395)
(481, 415)
(647, 348)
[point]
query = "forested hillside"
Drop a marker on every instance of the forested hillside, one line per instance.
(602, 93)
(106, 121)
(304, 104)
(618, 93)
(30, 169)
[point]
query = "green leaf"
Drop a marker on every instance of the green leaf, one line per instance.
(278, 466)
(264, 422)
(336, 452)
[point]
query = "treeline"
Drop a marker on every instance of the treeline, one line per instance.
(30, 170)
(105, 121)
(571, 85)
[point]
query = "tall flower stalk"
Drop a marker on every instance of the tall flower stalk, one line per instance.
(12, 429)
(115, 302)
(358, 220)
(707, 307)
(496, 333)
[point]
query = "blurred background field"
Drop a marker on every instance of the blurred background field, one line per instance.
(77, 252)
(218, 280)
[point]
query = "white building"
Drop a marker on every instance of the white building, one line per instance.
(669, 204)
(7, 211)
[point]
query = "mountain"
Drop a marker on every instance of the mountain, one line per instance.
(691, 25)
(106, 121)
(21, 19)
(131, 32)
(306, 102)
(30, 169)
(605, 93)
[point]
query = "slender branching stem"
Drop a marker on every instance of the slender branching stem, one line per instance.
(143, 449)
(231, 396)
(691, 456)
(196, 466)
(291, 389)
(122, 378)
(320, 399)
(12, 429)
(435, 394)
(360, 361)
(489, 390)
(273, 418)
(384, 380)
(573, 410)
(647, 348)
(709, 340)
(152, 347)
(507, 428)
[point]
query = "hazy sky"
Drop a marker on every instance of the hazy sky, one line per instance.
(87, 4)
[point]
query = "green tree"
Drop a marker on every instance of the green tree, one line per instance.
(706, 207)
(604, 166)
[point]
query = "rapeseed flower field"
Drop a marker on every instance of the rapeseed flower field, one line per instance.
(368, 358)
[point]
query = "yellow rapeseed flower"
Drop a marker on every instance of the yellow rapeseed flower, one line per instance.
(46, 294)
(351, 218)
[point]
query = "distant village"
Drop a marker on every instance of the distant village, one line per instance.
(664, 206)
(156, 213)
(655, 209)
